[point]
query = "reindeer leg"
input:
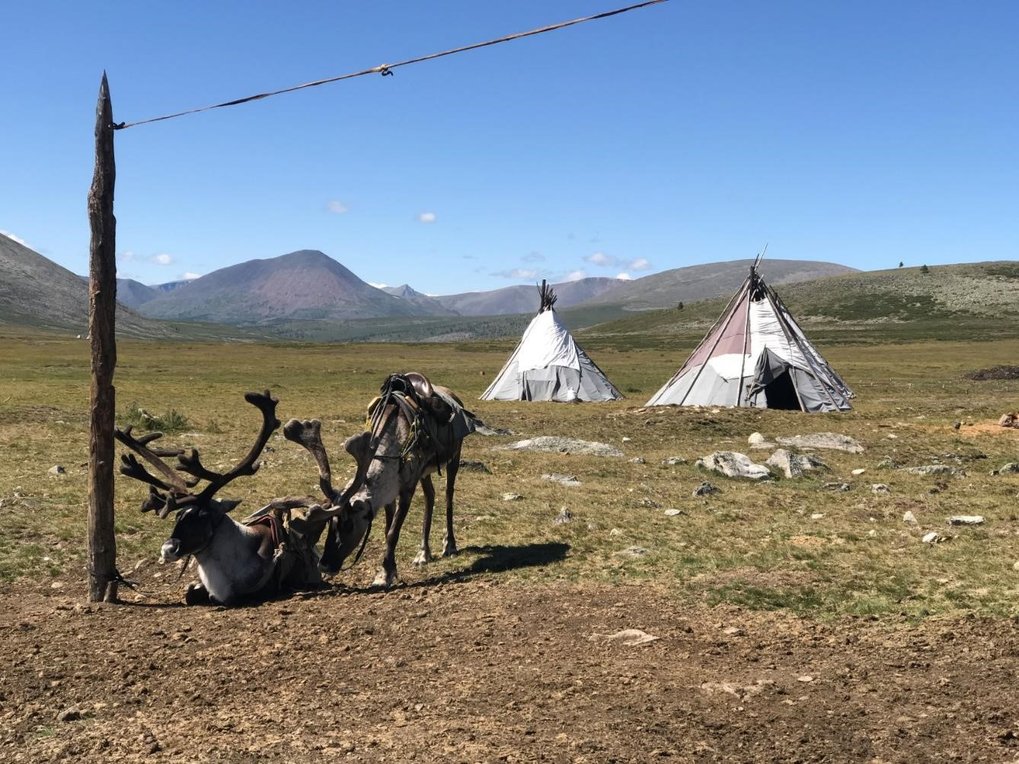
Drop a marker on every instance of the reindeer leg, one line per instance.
(425, 554)
(386, 576)
(390, 509)
(197, 594)
(449, 543)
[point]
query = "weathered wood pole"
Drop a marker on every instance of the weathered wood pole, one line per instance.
(102, 307)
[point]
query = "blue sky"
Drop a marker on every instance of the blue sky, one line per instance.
(863, 133)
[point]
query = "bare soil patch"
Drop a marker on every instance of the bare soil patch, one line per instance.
(479, 669)
(994, 372)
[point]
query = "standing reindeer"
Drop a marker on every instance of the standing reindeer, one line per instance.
(415, 429)
(234, 559)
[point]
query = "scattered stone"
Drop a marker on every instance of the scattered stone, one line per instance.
(632, 551)
(934, 469)
(858, 471)
(794, 465)
(57, 469)
(1015, 565)
(909, 518)
(627, 637)
(648, 503)
(880, 488)
(706, 489)
(1011, 419)
(672, 461)
(838, 487)
(888, 464)
(474, 466)
(638, 460)
(932, 537)
(956, 425)
(805, 678)
(817, 516)
(615, 532)
(557, 445)
(756, 440)
(69, 715)
(511, 497)
(828, 440)
(564, 516)
(673, 512)
(555, 477)
(1007, 469)
(966, 520)
(626, 439)
(734, 464)
(484, 429)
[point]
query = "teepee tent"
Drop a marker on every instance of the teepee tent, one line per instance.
(756, 355)
(548, 365)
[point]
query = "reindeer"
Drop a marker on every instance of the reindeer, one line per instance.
(414, 431)
(234, 559)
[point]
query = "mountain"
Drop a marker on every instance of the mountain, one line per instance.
(524, 298)
(701, 282)
(426, 305)
(134, 294)
(303, 285)
(36, 292)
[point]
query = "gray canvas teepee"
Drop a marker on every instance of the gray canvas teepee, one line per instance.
(756, 355)
(548, 365)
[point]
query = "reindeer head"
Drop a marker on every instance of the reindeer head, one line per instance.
(348, 520)
(198, 514)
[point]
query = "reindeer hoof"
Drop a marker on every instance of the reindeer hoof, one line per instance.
(196, 594)
(450, 550)
(424, 557)
(383, 580)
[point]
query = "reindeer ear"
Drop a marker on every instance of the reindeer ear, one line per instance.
(225, 505)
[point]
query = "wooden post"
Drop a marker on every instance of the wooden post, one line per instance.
(102, 302)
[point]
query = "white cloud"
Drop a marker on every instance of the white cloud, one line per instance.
(600, 258)
(575, 276)
(337, 207)
(640, 264)
(14, 237)
(427, 217)
(624, 277)
(162, 259)
(190, 276)
(126, 257)
(517, 273)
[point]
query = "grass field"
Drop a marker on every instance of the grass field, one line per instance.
(786, 544)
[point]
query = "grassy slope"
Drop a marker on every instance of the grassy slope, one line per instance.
(762, 546)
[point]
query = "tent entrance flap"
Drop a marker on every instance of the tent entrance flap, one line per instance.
(780, 393)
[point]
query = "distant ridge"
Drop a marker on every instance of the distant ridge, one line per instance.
(36, 292)
(302, 285)
(522, 299)
(426, 304)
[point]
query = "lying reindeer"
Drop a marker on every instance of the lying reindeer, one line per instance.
(268, 551)
(415, 429)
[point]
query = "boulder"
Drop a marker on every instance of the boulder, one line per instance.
(735, 465)
(828, 440)
(557, 445)
(794, 465)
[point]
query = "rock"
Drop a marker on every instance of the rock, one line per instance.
(648, 503)
(956, 425)
(511, 497)
(615, 532)
(1009, 420)
(673, 512)
(1015, 565)
(966, 520)
(474, 466)
(672, 461)
(625, 439)
(880, 488)
(756, 440)
(57, 469)
(909, 518)
(564, 516)
(805, 678)
(794, 465)
(817, 516)
(627, 637)
(69, 715)
(1007, 469)
(933, 469)
(488, 432)
(638, 460)
(706, 489)
(557, 445)
(837, 487)
(857, 472)
(632, 551)
(828, 440)
(555, 477)
(888, 464)
(734, 464)
(932, 537)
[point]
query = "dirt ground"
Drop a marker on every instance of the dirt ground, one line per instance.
(468, 668)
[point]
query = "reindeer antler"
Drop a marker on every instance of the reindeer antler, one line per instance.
(172, 490)
(308, 433)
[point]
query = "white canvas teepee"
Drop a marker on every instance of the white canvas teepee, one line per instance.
(548, 364)
(756, 355)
